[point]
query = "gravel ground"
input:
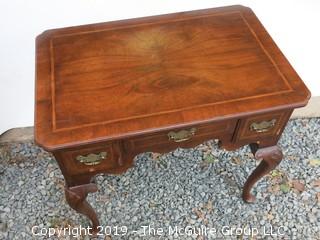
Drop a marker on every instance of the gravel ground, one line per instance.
(197, 187)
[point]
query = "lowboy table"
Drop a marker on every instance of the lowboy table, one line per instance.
(107, 92)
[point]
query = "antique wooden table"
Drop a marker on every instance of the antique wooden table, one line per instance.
(107, 92)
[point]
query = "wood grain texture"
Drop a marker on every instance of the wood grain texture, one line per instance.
(120, 79)
(156, 84)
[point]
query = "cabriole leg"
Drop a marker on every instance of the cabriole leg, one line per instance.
(76, 198)
(271, 157)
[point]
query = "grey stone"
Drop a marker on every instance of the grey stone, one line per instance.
(175, 195)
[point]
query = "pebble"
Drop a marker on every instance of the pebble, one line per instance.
(3, 227)
(176, 195)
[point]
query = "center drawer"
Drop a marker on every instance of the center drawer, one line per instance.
(188, 136)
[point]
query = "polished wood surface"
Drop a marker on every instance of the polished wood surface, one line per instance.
(110, 80)
(107, 92)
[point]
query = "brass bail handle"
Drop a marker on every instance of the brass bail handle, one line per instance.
(263, 126)
(182, 135)
(92, 159)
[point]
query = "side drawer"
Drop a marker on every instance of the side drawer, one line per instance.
(94, 158)
(263, 125)
(181, 137)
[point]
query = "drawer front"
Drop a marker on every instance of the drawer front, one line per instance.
(94, 158)
(181, 137)
(265, 125)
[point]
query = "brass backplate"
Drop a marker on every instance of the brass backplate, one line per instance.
(263, 126)
(92, 158)
(182, 135)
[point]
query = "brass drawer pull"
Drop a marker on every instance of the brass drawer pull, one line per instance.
(263, 126)
(182, 135)
(92, 159)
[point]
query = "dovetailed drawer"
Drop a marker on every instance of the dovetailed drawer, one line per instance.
(264, 125)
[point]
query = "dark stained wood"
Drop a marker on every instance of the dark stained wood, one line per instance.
(107, 92)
